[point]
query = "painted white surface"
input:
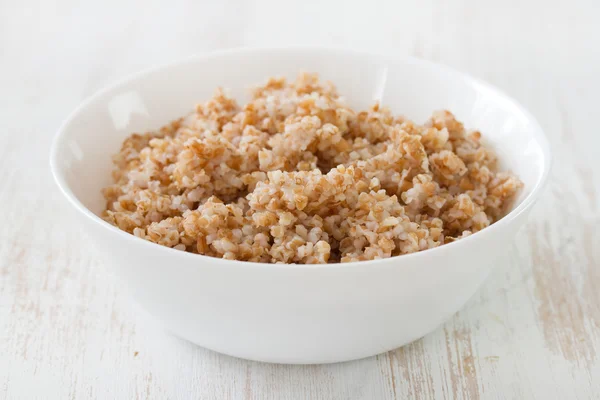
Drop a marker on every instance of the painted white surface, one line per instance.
(67, 328)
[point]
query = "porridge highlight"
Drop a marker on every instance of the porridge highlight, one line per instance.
(297, 176)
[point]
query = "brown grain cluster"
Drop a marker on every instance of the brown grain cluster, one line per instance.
(296, 176)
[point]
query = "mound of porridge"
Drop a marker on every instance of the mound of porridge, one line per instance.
(297, 176)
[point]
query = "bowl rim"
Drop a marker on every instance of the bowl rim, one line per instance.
(525, 204)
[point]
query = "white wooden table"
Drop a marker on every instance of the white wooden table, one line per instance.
(67, 326)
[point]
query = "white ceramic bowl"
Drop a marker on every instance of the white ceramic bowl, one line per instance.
(296, 313)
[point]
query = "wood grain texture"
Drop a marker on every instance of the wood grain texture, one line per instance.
(67, 326)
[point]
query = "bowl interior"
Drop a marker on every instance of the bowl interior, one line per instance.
(411, 87)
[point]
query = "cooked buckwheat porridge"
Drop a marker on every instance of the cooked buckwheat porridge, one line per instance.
(297, 176)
